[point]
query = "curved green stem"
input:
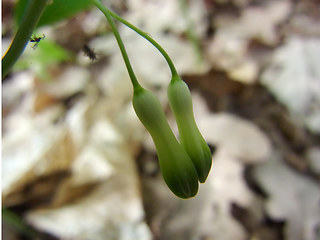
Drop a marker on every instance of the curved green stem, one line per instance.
(16, 222)
(22, 37)
(106, 12)
(150, 39)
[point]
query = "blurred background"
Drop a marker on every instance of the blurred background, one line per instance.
(77, 163)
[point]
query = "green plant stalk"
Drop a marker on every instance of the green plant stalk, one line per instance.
(22, 37)
(148, 38)
(106, 12)
(16, 222)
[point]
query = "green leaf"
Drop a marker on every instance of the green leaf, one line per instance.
(56, 11)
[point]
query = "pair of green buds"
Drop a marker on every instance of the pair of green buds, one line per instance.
(185, 164)
(182, 164)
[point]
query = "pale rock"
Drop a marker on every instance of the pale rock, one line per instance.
(72, 80)
(103, 133)
(76, 120)
(291, 197)
(157, 16)
(240, 138)
(14, 90)
(226, 51)
(257, 22)
(230, 54)
(33, 153)
(294, 78)
(114, 80)
(245, 73)
(90, 166)
(226, 171)
(112, 211)
(229, 49)
(91, 23)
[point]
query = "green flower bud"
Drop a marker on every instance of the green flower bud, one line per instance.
(191, 139)
(176, 166)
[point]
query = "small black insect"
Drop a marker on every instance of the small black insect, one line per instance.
(36, 40)
(89, 52)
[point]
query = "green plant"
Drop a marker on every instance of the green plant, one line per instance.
(152, 117)
(13, 220)
(182, 164)
(33, 12)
